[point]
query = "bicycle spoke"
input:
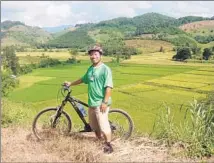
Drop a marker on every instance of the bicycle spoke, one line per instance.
(46, 126)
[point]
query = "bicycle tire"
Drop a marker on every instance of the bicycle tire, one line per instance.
(49, 129)
(130, 125)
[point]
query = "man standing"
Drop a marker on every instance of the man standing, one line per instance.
(99, 80)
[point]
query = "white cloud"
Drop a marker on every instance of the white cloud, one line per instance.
(127, 8)
(39, 13)
(187, 8)
(54, 13)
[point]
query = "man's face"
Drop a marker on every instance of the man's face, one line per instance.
(95, 57)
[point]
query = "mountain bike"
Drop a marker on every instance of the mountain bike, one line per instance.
(55, 121)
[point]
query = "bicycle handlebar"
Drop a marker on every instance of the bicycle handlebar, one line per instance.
(65, 88)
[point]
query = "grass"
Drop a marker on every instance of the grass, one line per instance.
(150, 46)
(208, 45)
(195, 134)
(160, 58)
(34, 57)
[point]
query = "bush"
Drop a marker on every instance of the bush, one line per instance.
(9, 60)
(8, 83)
(25, 69)
(72, 60)
(48, 62)
(12, 113)
(182, 54)
(196, 50)
(196, 134)
(207, 53)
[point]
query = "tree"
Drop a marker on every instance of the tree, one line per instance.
(74, 53)
(196, 50)
(10, 60)
(8, 83)
(207, 53)
(182, 54)
(161, 49)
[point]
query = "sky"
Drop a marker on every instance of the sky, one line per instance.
(56, 13)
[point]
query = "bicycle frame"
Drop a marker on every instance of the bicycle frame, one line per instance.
(72, 101)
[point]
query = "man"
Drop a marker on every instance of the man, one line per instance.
(99, 80)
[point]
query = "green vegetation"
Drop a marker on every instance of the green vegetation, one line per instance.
(18, 34)
(182, 54)
(204, 39)
(194, 134)
(10, 60)
(8, 24)
(8, 83)
(181, 40)
(76, 39)
(136, 88)
(207, 53)
(190, 19)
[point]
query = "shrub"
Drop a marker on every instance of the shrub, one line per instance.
(49, 62)
(182, 54)
(73, 60)
(25, 69)
(8, 83)
(12, 113)
(207, 53)
(196, 134)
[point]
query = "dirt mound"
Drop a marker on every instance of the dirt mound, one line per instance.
(19, 145)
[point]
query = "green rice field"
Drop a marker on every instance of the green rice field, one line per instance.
(140, 89)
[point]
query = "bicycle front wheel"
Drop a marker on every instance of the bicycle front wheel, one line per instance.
(47, 125)
(121, 124)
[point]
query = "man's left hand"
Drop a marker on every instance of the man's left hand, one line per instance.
(103, 108)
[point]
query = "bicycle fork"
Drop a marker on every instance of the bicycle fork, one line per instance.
(57, 115)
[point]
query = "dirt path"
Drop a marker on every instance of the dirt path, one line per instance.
(19, 145)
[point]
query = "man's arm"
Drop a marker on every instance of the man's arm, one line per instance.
(105, 100)
(107, 94)
(79, 81)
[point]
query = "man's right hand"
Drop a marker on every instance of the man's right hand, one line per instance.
(66, 83)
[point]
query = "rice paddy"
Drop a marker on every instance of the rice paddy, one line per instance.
(140, 89)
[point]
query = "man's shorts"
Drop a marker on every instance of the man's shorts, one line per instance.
(98, 120)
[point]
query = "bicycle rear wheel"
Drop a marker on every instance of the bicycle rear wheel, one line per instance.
(47, 126)
(121, 124)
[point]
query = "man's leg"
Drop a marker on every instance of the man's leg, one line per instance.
(104, 125)
(94, 123)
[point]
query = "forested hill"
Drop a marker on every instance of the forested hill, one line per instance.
(159, 26)
(17, 33)
(156, 25)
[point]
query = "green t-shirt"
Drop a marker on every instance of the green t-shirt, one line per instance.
(98, 78)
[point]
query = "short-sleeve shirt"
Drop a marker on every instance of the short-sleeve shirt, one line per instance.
(98, 78)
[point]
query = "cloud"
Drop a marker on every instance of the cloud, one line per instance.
(185, 8)
(37, 13)
(54, 13)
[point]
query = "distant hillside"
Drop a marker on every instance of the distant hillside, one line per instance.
(190, 19)
(127, 28)
(57, 34)
(8, 24)
(153, 25)
(76, 39)
(17, 33)
(201, 31)
(57, 28)
(197, 26)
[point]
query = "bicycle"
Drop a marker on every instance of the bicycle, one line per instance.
(54, 120)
